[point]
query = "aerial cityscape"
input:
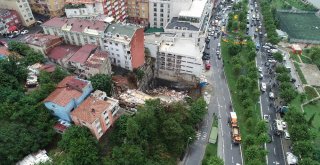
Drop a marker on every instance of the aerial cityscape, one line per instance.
(160, 82)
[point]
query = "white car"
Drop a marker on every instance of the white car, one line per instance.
(284, 125)
(271, 95)
(260, 69)
(261, 76)
(24, 32)
(263, 86)
(266, 118)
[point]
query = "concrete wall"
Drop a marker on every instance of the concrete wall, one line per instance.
(137, 49)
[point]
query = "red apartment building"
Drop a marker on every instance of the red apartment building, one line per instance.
(98, 113)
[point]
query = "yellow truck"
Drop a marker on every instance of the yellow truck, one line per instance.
(235, 130)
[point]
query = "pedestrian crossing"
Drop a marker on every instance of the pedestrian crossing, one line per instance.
(201, 135)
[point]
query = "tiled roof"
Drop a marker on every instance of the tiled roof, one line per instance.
(96, 59)
(4, 51)
(78, 25)
(62, 51)
(90, 109)
(67, 89)
(48, 67)
(83, 53)
(39, 39)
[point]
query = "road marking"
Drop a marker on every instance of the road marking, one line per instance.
(272, 137)
(241, 155)
(232, 160)
(265, 146)
(231, 147)
(268, 109)
(274, 151)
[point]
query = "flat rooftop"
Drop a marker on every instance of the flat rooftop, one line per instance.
(196, 9)
(182, 46)
(176, 24)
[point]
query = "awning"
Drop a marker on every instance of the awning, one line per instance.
(12, 28)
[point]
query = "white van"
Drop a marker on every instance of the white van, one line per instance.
(263, 86)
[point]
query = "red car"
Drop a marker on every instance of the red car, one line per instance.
(207, 65)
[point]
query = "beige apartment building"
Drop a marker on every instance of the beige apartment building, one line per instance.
(52, 8)
(138, 11)
(23, 9)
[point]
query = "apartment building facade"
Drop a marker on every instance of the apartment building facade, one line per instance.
(98, 113)
(161, 11)
(93, 8)
(77, 31)
(138, 11)
(125, 44)
(52, 8)
(23, 9)
(179, 60)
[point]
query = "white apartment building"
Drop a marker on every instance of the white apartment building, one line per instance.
(77, 31)
(22, 7)
(95, 8)
(192, 23)
(179, 60)
(161, 11)
(125, 44)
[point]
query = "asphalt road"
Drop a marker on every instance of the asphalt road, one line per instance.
(32, 30)
(220, 101)
(275, 151)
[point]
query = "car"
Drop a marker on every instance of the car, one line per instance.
(266, 118)
(211, 34)
(286, 135)
(207, 46)
(14, 34)
(39, 22)
(219, 45)
(24, 32)
(260, 69)
(260, 76)
(219, 57)
(3, 43)
(207, 40)
(209, 29)
(271, 95)
(218, 52)
(205, 57)
(293, 80)
(284, 125)
(263, 87)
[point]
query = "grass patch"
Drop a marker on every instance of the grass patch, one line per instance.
(296, 103)
(311, 92)
(211, 149)
(294, 57)
(306, 60)
(302, 78)
(305, 29)
(310, 109)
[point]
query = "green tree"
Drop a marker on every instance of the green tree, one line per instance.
(278, 56)
(139, 73)
(234, 49)
(261, 127)
(303, 148)
(128, 155)
(308, 161)
(237, 69)
(214, 160)
(80, 146)
(102, 82)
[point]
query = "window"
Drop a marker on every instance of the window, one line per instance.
(117, 49)
(116, 44)
(190, 34)
(154, 5)
(118, 61)
(161, 15)
(161, 24)
(161, 5)
(155, 9)
(155, 14)
(161, 10)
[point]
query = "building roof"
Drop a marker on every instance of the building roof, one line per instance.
(76, 24)
(35, 158)
(67, 89)
(62, 51)
(39, 39)
(4, 51)
(181, 46)
(176, 24)
(48, 68)
(83, 53)
(97, 59)
(195, 10)
(122, 29)
(90, 109)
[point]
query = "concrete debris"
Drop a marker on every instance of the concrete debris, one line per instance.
(132, 98)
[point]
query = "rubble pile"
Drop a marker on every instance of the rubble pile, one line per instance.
(134, 97)
(166, 95)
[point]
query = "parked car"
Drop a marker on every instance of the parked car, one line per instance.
(286, 134)
(39, 22)
(271, 95)
(266, 118)
(24, 32)
(14, 34)
(263, 86)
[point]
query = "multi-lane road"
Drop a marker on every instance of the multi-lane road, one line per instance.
(275, 148)
(220, 101)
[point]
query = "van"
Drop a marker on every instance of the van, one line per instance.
(286, 135)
